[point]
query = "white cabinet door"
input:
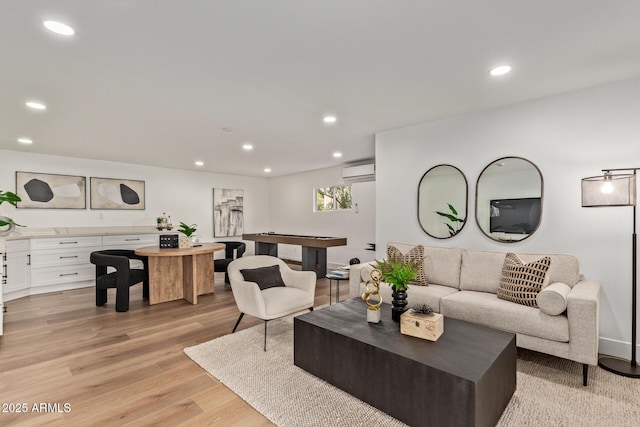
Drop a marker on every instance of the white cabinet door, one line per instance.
(18, 266)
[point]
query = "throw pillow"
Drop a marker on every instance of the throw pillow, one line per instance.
(552, 300)
(415, 254)
(265, 277)
(520, 282)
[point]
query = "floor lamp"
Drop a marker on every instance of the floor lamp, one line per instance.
(617, 190)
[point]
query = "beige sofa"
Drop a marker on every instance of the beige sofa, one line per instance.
(462, 284)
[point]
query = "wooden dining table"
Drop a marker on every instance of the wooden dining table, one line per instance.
(180, 273)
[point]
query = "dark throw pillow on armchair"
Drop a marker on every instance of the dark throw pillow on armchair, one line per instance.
(265, 277)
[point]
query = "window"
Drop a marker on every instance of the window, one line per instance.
(336, 198)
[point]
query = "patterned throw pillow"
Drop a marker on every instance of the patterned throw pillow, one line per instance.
(417, 253)
(520, 282)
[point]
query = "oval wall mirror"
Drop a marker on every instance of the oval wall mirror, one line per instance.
(442, 201)
(509, 199)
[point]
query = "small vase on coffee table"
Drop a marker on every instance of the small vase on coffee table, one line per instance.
(398, 303)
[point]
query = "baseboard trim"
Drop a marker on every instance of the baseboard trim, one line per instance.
(616, 348)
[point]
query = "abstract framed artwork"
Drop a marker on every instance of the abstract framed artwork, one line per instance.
(118, 194)
(228, 216)
(51, 191)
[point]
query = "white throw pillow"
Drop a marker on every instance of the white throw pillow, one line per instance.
(552, 300)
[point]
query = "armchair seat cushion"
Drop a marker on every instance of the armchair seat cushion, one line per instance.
(280, 301)
(136, 275)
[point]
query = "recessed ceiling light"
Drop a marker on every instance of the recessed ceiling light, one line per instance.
(36, 105)
(25, 141)
(59, 28)
(247, 147)
(337, 154)
(199, 163)
(329, 119)
(501, 70)
(267, 170)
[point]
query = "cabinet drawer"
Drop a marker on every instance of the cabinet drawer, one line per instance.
(17, 245)
(58, 275)
(130, 241)
(66, 242)
(60, 257)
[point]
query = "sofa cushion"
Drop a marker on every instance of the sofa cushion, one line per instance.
(415, 254)
(442, 265)
(487, 309)
(553, 299)
(481, 270)
(521, 283)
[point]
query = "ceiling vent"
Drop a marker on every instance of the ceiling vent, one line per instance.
(361, 173)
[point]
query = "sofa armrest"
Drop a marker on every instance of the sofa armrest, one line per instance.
(583, 312)
(356, 283)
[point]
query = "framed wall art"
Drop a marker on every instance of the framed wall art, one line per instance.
(51, 191)
(228, 216)
(118, 194)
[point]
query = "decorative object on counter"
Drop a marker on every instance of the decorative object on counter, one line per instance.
(51, 191)
(159, 225)
(422, 322)
(618, 190)
(119, 194)
(373, 310)
(456, 223)
(188, 230)
(398, 274)
(168, 241)
(354, 261)
(7, 224)
(228, 216)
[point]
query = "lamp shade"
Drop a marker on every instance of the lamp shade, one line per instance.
(609, 190)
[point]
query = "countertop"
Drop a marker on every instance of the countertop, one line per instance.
(32, 232)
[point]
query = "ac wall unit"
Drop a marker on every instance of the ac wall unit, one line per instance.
(360, 173)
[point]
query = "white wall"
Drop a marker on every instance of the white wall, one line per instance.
(291, 211)
(185, 195)
(569, 137)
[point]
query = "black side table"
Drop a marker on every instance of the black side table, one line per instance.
(338, 279)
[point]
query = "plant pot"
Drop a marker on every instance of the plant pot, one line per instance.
(184, 242)
(398, 303)
(6, 229)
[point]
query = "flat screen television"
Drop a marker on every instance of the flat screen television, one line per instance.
(514, 216)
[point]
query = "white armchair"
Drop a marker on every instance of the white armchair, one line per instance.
(298, 293)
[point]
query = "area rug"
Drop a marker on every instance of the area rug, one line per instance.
(549, 390)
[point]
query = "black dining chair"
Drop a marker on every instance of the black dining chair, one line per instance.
(220, 265)
(122, 278)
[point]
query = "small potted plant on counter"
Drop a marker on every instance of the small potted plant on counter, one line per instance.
(7, 224)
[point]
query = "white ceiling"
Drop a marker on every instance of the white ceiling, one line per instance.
(155, 81)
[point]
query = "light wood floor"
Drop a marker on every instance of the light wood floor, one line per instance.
(119, 368)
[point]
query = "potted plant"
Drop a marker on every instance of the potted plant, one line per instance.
(398, 274)
(6, 223)
(187, 230)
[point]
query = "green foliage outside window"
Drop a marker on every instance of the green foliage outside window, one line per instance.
(333, 198)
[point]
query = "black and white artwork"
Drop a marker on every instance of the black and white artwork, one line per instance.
(120, 194)
(228, 217)
(51, 191)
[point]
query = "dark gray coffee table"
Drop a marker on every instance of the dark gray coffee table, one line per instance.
(466, 378)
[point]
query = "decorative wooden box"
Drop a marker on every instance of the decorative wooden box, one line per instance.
(425, 326)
